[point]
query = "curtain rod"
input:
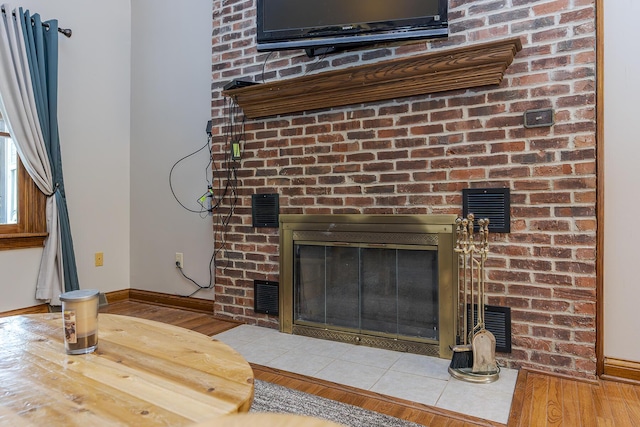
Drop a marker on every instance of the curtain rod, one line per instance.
(64, 31)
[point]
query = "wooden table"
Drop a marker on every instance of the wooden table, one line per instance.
(144, 373)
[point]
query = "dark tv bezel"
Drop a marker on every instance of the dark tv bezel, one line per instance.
(371, 33)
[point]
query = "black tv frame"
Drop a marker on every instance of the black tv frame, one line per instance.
(331, 37)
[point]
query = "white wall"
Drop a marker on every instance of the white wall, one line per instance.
(171, 104)
(94, 116)
(622, 206)
(133, 100)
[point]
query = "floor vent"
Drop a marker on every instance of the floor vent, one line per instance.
(497, 321)
(492, 203)
(265, 297)
(265, 210)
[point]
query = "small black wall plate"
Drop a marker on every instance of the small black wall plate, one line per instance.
(538, 118)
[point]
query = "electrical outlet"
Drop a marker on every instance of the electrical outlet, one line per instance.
(99, 257)
(179, 260)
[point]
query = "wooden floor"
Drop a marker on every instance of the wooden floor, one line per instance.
(539, 399)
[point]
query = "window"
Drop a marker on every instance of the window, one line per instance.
(8, 179)
(22, 204)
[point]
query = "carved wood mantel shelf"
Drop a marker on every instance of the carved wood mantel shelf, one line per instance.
(459, 68)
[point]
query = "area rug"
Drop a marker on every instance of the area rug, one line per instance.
(275, 398)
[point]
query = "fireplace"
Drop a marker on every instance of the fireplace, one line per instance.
(384, 281)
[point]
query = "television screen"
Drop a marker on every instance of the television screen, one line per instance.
(297, 24)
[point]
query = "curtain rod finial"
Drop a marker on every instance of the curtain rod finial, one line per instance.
(65, 31)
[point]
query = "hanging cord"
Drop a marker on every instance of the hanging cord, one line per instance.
(227, 172)
(199, 286)
(171, 178)
(204, 210)
(314, 66)
(234, 134)
(264, 64)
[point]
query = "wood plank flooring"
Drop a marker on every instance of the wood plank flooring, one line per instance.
(539, 399)
(548, 400)
(198, 321)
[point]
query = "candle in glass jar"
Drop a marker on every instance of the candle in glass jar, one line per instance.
(80, 320)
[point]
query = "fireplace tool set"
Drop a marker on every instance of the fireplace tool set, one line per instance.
(473, 357)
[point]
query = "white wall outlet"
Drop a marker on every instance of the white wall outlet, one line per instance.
(179, 260)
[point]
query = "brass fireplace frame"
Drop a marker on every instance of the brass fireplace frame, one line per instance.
(404, 229)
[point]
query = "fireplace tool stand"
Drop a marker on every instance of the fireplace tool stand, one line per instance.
(474, 359)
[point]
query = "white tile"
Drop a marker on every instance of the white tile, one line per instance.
(230, 340)
(416, 378)
(327, 348)
(246, 333)
(259, 354)
(478, 400)
(370, 356)
(351, 374)
(506, 382)
(410, 387)
(425, 366)
(300, 362)
(282, 341)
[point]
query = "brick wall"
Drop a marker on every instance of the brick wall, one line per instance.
(415, 155)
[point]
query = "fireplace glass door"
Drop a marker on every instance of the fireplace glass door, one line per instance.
(389, 291)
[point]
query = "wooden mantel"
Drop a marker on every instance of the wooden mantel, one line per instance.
(459, 68)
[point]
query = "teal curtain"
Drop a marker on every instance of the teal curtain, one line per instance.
(42, 53)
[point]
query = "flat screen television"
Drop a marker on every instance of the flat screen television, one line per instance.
(321, 26)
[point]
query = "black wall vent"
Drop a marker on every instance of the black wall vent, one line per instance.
(265, 210)
(492, 203)
(265, 297)
(497, 320)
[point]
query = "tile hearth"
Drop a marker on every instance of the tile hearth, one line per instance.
(412, 377)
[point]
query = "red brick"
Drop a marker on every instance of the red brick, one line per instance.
(346, 126)
(550, 306)
(553, 360)
(511, 172)
(391, 155)
(507, 147)
(460, 125)
(392, 133)
(446, 115)
(415, 155)
(532, 317)
(486, 135)
(552, 332)
(536, 343)
(376, 145)
(349, 190)
(328, 138)
(426, 130)
(553, 279)
(446, 139)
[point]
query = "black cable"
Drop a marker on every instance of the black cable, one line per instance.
(199, 287)
(234, 133)
(208, 194)
(313, 66)
(264, 64)
(171, 174)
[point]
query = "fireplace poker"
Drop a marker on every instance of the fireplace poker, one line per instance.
(474, 359)
(462, 357)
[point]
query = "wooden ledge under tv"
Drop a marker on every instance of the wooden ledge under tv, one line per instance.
(438, 71)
